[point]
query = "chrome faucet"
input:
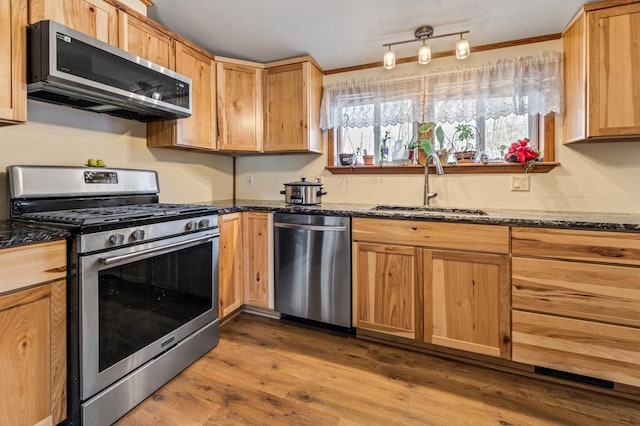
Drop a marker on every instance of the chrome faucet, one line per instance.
(439, 170)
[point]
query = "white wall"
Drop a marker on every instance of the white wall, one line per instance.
(57, 135)
(597, 177)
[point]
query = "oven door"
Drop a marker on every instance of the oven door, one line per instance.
(140, 301)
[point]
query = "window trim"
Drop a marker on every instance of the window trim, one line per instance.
(549, 163)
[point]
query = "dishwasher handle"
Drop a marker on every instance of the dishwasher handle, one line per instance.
(310, 227)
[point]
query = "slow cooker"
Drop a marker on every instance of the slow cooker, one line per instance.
(302, 192)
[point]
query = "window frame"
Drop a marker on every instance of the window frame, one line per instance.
(546, 129)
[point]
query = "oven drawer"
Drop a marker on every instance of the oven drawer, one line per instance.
(604, 351)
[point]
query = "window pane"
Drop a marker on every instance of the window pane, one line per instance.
(400, 136)
(501, 132)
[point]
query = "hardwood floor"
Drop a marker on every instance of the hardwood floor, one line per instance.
(268, 372)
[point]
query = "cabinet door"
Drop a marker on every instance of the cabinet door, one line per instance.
(385, 278)
(199, 130)
(614, 66)
(13, 60)
(145, 41)
(292, 108)
(467, 301)
(239, 107)
(258, 246)
(231, 272)
(92, 17)
(33, 355)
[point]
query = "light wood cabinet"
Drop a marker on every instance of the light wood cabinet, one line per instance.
(576, 302)
(142, 39)
(33, 334)
(292, 96)
(230, 267)
(96, 18)
(602, 61)
(455, 277)
(467, 301)
(198, 131)
(258, 259)
(239, 106)
(385, 279)
(13, 62)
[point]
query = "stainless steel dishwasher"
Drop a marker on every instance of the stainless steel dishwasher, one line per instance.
(313, 267)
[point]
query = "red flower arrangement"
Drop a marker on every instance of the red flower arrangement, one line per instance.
(522, 153)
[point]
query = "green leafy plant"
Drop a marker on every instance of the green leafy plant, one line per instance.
(465, 133)
(427, 132)
(383, 146)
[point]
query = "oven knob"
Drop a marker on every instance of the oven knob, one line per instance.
(116, 239)
(137, 235)
(190, 226)
(204, 223)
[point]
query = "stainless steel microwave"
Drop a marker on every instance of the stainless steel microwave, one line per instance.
(66, 67)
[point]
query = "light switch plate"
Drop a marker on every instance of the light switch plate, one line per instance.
(520, 183)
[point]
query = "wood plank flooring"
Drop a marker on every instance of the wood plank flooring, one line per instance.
(269, 372)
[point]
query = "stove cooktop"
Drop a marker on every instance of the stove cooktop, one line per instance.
(106, 215)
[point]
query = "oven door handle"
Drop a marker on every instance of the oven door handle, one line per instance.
(141, 253)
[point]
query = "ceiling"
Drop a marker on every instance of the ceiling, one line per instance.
(342, 33)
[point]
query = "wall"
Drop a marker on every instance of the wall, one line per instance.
(63, 136)
(593, 177)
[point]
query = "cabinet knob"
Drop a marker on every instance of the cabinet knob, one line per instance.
(258, 277)
(506, 339)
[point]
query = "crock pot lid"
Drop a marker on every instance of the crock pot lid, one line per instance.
(303, 182)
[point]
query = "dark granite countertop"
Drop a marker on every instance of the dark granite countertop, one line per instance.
(547, 219)
(19, 234)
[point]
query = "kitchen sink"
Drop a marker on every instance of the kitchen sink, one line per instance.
(414, 209)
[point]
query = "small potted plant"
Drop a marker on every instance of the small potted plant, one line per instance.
(521, 152)
(464, 143)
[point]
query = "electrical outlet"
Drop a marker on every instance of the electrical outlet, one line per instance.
(250, 181)
(319, 179)
(520, 182)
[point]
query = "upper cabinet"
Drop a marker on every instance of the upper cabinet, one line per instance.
(143, 40)
(13, 61)
(602, 61)
(292, 95)
(239, 106)
(199, 130)
(93, 17)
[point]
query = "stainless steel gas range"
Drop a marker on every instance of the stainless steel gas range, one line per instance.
(142, 286)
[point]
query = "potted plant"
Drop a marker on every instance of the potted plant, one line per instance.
(522, 153)
(464, 143)
(426, 133)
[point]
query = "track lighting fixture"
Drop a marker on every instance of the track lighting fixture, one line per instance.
(424, 33)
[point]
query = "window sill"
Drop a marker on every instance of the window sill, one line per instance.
(453, 169)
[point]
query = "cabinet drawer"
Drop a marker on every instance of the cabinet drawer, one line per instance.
(460, 236)
(583, 290)
(603, 351)
(32, 264)
(596, 246)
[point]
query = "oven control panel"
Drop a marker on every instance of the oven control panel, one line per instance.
(145, 233)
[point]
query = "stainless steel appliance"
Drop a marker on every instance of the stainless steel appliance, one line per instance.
(66, 67)
(303, 192)
(142, 284)
(313, 267)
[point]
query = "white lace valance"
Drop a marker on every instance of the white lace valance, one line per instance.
(510, 86)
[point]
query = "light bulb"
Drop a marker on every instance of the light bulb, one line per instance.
(424, 54)
(389, 60)
(463, 51)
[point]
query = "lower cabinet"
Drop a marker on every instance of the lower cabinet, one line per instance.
(467, 301)
(33, 383)
(230, 264)
(385, 280)
(405, 285)
(576, 302)
(258, 258)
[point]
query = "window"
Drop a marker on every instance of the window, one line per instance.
(503, 101)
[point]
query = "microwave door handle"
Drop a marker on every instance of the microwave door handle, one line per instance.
(141, 253)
